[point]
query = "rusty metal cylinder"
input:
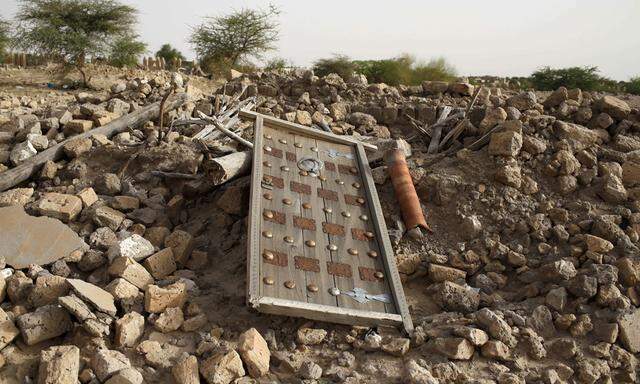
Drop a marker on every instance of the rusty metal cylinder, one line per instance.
(404, 190)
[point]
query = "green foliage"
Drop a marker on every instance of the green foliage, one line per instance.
(169, 54)
(232, 39)
(277, 64)
(405, 69)
(72, 30)
(340, 64)
(633, 85)
(126, 50)
(4, 37)
(585, 78)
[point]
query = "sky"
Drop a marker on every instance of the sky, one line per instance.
(479, 37)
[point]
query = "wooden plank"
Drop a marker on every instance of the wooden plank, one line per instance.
(321, 279)
(327, 313)
(391, 269)
(253, 241)
(279, 140)
(306, 130)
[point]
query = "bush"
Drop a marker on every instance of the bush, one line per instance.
(340, 64)
(633, 85)
(277, 64)
(4, 38)
(126, 51)
(585, 78)
(169, 54)
(405, 70)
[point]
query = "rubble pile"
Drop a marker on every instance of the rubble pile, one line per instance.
(530, 275)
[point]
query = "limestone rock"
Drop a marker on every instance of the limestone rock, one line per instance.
(170, 320)
(310, 336)
(186, 371)
(222, 368)
(456, 348)
(161, 264)
(96, 296)
(129, 329)
(131, 271)
(613, 106)
(16, 196)
(157, 299)
(59, 365)
(254, 352)
(135, 247)
(59, 206)
(8, 330)
(629, 335)
(43, 324)
(454, 297)
(107, 362)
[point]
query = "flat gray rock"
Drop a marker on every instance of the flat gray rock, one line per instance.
(28, 239)
(94, 295)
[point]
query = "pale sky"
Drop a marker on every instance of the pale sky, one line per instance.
(479, 37)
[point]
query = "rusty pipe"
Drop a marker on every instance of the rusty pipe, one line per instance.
(404, 190)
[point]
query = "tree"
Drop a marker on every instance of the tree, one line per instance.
(72, 30)
(234, 38)
(4, 37)
(585, 78)
(340, 64)
(169, 54)
(126, 50)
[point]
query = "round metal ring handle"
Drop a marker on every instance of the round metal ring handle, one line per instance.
(309, 164)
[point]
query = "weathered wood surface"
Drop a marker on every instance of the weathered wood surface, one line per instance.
(27, 168)
(313, 225)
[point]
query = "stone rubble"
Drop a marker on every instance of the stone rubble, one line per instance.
(539, 285)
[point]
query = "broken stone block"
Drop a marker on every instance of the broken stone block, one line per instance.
(126, 376)
(76, 307)
(310, 371)
(439, 273)
(254, 352)
(48, 239)
(108, 184)
(397, 346)
(135, 247)
(59, 365)
(456, 348)
(476, 336)
(47, 289)
(613, 106)
(181, 243)
(94, 295)
(597, 244)
(496, 326)
(186, 371)
(59, 206)
(131, 271)
(108, 217)
(310, 336)
(222, 368)
(88, 196)
(125, 203)
(161, 264)
(506, 143)
(75, 148)
(107, 362)
(157, 299)
(629, 335)
(16, 196)
(156, 235)
(22, 152)
(129, 329)
(8, 330)
(194, 323)
(44, 323)
(454, 297)
(77, 126)
(495, 349)
(170, 320)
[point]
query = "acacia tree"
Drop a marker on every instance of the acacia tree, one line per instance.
(126, 50)
(72, 30)
(4, 37)
(234, 38)
(169, 53)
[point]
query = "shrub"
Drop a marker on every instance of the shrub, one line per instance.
(405, 70)
(340, 64)
(4, 37)
(633, 85)
(169, 54)
(585, 78)
(125, 51)
(277, 64)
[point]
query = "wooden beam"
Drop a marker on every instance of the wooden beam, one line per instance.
(27, 168)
